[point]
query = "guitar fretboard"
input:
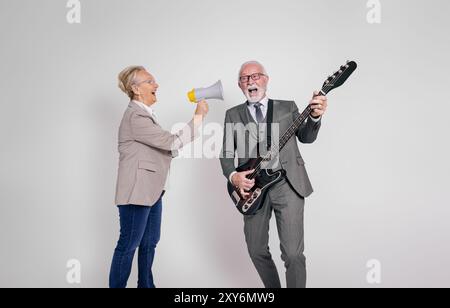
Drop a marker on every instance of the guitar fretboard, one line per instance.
(292, 130)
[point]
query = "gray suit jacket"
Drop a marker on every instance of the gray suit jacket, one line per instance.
(146, 151)
(285, 112)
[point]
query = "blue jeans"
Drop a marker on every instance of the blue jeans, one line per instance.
(140, 226)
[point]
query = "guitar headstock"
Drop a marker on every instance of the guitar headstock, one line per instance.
(339, 78)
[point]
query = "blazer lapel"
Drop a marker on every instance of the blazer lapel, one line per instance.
(243, 113)
(142, 112)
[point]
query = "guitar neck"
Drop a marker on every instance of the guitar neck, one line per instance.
(292, 130)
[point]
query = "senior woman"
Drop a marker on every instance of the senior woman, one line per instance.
(146, 151)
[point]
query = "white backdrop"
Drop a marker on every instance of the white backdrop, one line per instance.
(379, 167)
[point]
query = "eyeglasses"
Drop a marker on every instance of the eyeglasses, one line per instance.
(150, 81)
(244, 79)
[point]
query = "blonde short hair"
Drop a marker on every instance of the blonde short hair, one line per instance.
(127, 78)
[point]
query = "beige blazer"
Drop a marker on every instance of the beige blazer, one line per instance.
(146, 151)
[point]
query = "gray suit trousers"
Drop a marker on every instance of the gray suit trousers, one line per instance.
(288, 207)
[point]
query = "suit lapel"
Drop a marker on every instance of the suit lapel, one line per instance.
(244, 114)
(142, 112)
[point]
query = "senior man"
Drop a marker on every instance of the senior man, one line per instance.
(287, 198)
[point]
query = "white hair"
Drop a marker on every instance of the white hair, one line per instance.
(252, 63)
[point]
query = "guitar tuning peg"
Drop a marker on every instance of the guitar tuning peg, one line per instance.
(340, 72)
(348, 61)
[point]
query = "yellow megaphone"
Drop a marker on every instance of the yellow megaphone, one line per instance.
(213, 92)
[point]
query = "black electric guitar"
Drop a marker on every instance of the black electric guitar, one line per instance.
(265, 179)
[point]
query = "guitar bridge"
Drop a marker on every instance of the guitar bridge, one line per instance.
(254, 196)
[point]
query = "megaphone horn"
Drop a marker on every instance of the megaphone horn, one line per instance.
(213, 92)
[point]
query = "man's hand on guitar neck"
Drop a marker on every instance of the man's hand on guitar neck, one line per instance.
(241, 182)
(319, 105)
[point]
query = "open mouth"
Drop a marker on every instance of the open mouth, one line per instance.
(253, 91)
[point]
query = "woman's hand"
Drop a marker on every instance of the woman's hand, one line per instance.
(202, 108)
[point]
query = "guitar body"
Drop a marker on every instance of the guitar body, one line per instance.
(264, 180)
